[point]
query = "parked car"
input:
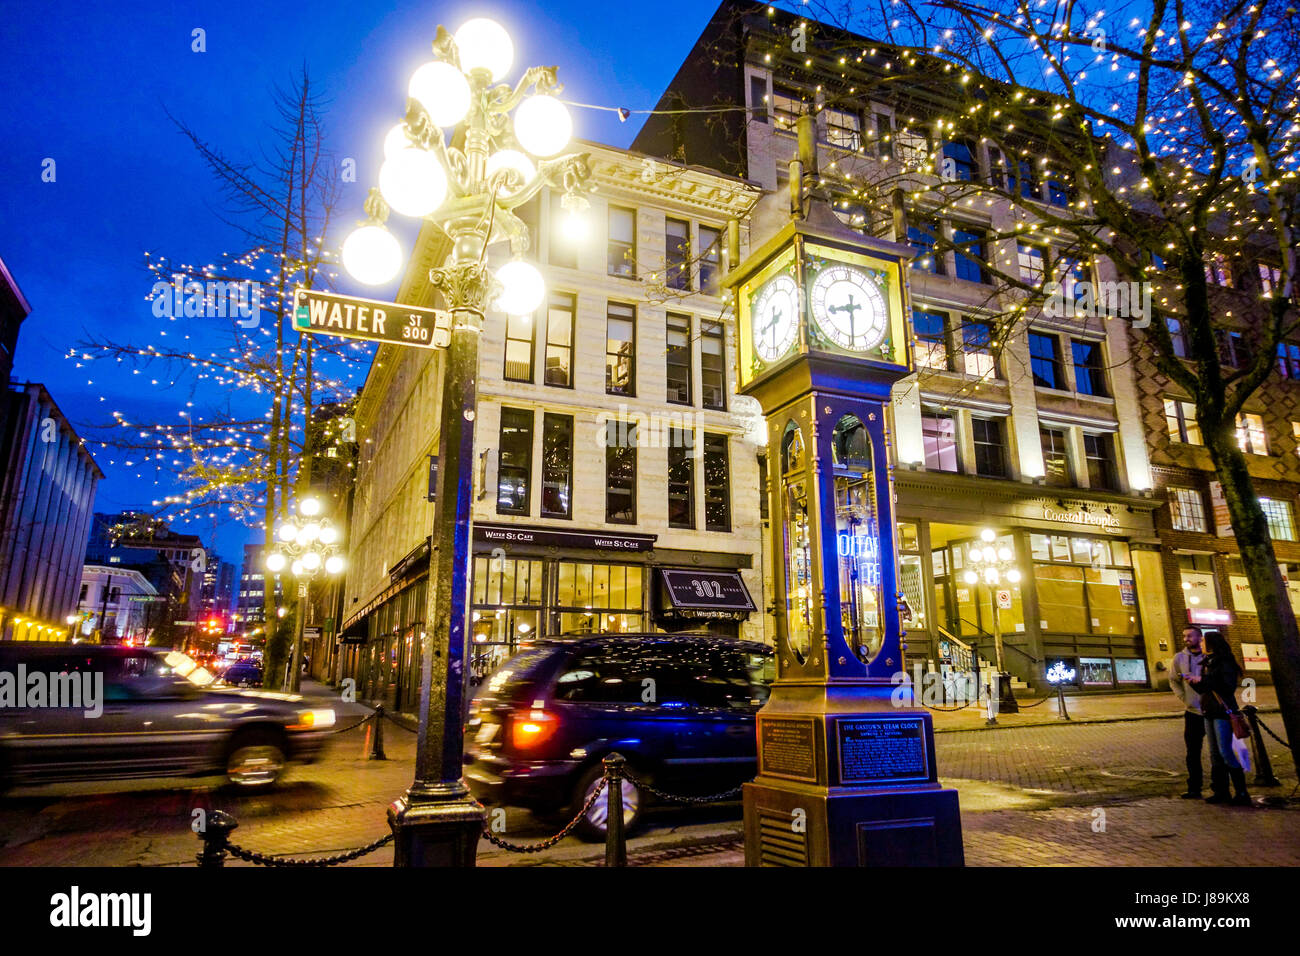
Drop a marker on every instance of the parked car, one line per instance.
(245, 673)
(680, 708)
(159, 715)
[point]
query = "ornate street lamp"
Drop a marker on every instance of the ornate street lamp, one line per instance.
(993, 565)
(308, 544)
(465, 185)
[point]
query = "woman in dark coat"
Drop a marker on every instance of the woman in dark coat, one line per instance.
(1217, 685)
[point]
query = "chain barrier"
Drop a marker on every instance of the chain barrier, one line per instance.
(548, 843)
(1269, 730)
(261, 859)
(344, 730)
(711, 798)
(392, 719)
(948, 710)
(1035, 703)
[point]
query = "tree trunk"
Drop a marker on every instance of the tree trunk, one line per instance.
(1277, 620)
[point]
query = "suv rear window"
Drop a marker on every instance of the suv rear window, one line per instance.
(515, 679)
(668, 674)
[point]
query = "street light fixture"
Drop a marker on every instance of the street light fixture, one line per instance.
(504, 149)
(993, 565)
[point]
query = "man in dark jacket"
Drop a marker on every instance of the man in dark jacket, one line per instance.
(1187, 664)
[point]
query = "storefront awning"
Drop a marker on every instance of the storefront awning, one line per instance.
(703, 595)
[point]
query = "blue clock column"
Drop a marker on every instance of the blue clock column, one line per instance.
(847, 771)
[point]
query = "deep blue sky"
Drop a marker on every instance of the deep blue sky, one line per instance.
(86, 84)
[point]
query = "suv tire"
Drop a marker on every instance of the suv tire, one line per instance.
(593, 823)
(255, 759)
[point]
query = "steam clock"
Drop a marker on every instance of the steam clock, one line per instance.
(847, 771)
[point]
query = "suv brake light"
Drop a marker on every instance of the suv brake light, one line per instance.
(531, 728)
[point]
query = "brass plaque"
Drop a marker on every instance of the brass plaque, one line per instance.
(882, 750)
(788, 748)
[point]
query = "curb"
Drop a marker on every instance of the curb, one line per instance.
(1058, 722)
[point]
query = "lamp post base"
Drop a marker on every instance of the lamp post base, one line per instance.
(436, 826)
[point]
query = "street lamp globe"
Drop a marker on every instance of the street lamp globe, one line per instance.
(522, 288)
(334, 564)
(972, 577)
(413, 182)
(286, 533)
(991, 575)
(1004, 554)
(296, 568)
(275, 562)
(309, 507)
(395, 140)
(311, 560)
(988, 535)
(543, 125)
(372, 255)
(511, 159)
(990, 555)
(1013, 576)
(442, 90)
(484, 44)
(328, 534)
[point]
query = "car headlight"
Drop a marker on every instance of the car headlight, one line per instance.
(317, 719)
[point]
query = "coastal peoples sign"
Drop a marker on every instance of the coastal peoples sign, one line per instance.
(1096, 519)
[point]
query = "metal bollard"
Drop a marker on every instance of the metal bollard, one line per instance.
(615, 843)
(1263, 766)
(1060, 701)
(374, 745)
(215, 836)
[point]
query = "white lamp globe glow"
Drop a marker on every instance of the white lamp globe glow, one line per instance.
(372, 255)
(574, 227)
(1004, 554)
(987, 535)
(485, 45)
(309, 507)
(328, 534)
(990, 555)
(334, 564)
(275, 562)
(286, 533)
(311, 560)
(1013, 575)
(442, 90)
(542, 125)
(395, 141)
(296, 567)
(511, 159)
(311, 530)
(412, 182)
(972, 577)
(991, 575)
(522, 288)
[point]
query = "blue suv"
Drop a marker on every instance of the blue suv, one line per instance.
(680, 708)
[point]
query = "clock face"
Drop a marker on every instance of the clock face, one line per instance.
(849, 307)
(776, 318)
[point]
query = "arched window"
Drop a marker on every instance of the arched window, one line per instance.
(798, 543)
(857, 538)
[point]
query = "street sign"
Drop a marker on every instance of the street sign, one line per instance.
(325, 313)
(146, 598)
(1004, 599)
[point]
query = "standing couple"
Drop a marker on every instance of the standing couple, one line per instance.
(1205, 676)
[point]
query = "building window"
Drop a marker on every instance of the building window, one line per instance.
(977, 349)
(762, 486)
(559, 339)
(599, 599)
(843, 128)
(1089, 370)
(931, 329)
(622, 242)
(1045, 360)
(620, 472)
(1250, 434)
(1033, 263)
(990, 447)
(1099, 453)
(1180, 421)
(713, 367)
(959, 161)
(557, 466)
(1295, 433)
(681, 478)
(939, 437)
(710, 259)
(758, 98)
(1235, 349)
(1058, 193)
(1187, 510)
(1280, 517)
(519, 348)
(514, 461)
(1288, 360)
(1270, 279)
(1056, 457)
(561, 250)
(969, 244)
(677, 255)
(1028, 179)
(620, 349)
(922, 237)
(717, 483)
(787, 105)
(679, 359)
(1217, 270)
(1176, 335)
(1085, 586)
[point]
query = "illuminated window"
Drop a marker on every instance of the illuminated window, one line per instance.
(1251, 437)
(622, 242)
(620, 349)
(1281, 518)
(1187, 510)
(1033, 263)
(677, 255)
(843, 128)
(1180, 420)
(931, 330)
(989, 438)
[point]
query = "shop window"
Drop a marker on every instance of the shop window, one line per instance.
(1280, 517)
(939, 437)
(679, 359)
(514, 461)
(717, 483)
(681, 479)
(559, 339)
(710, 259)
(1243, 600)
(1187, 510)
(1099, 454)
(562, 250)
(797, 544)
(506, 608)
(519, 348)
(557, 466)
(1181, 423)
(977, 349)
(1085, 585)
(857, 540)
(1089, 369)
(622, 242)
(598, 598)
(931, 331)
(1196, 575)
(1045, 360)
(620, 349)
(1056, 457)
(1251, 437)
(713, 369)
(1096, 672)
(1112, 602)
(677, 255)
(989, 439)
(1061, 604)
(620, 472)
